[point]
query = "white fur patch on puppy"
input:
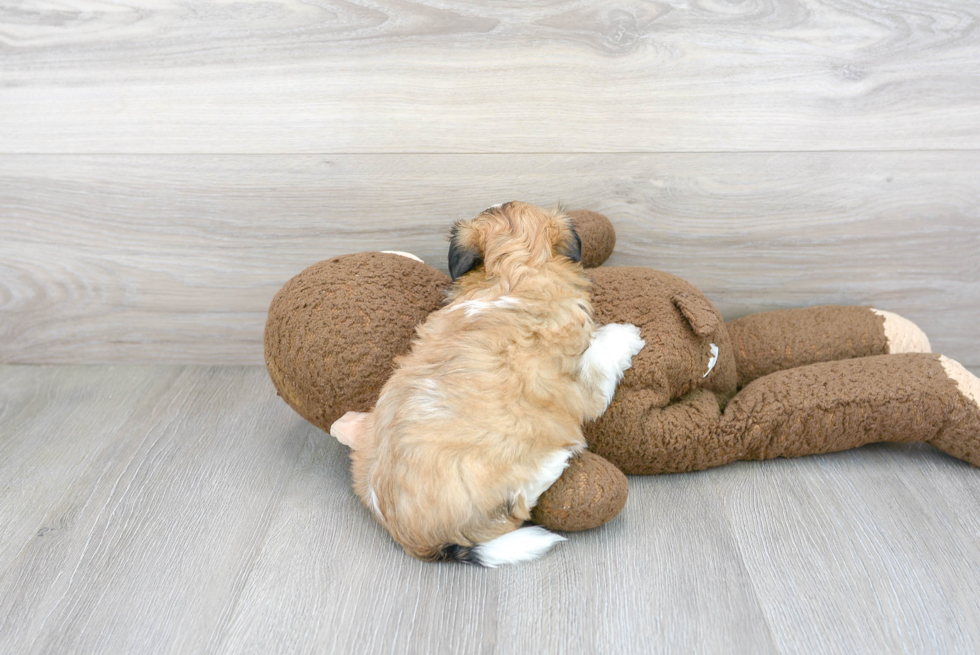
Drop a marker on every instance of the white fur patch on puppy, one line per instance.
(374, 504)
(517, 546)
(903, 335)
(506, 301)
(610, 354)
(475, 307)
(550, 471)
(429, 401)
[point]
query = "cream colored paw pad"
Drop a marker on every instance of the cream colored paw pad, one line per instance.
(903, 335)
(968, 383)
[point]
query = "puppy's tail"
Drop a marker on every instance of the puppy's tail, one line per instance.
(517, 546)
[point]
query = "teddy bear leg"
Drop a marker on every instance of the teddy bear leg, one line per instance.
(833, 406)
(960, 437)
(774, 341)
(590, 492)
(643, 438)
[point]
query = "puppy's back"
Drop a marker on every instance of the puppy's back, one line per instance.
(483, 413)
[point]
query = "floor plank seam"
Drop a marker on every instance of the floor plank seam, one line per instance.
(745, 568)
(273, 510)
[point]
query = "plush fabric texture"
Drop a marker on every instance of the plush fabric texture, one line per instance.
(807, 410)
(701, 393)
(773, 341)
(334, 330)
(832, 406)
(589, 493)
(678, 350)
(597, 234)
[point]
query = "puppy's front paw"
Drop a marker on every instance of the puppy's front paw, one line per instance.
(611, 353)
(622, 342)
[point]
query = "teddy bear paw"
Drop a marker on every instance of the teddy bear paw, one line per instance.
(902, 335)
(967, 383)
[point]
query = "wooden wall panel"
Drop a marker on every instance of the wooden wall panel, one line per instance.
(166, 165)
(390, 76)
(111, 258)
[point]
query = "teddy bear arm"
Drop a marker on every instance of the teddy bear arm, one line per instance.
(833, 406)
(767, 342)
(642, 437)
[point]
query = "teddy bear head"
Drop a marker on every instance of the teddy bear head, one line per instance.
(687, 344)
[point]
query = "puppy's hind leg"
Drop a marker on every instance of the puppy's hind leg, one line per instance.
(606, 359)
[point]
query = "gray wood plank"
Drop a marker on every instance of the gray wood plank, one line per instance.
(213, 519)
(151, 546)
(174, 259)
(663, 575)
(954, 488)
(54, 424)
(857, 551)
(454, 76)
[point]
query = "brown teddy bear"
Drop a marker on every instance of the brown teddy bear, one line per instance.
(702, 392)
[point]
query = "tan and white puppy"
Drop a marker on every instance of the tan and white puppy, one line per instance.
(483, 413)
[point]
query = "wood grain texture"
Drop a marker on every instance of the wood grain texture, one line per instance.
(155, 76)
(207, 517)
(54, 424)
(865, 525)
(146, 552)
(175, 258)
(328, 567)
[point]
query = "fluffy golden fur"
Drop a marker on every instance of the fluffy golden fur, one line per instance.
(491, 393)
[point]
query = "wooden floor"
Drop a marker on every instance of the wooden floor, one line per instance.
(166, 166)
(188, 509)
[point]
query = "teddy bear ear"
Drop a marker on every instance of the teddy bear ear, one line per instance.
(698, 312)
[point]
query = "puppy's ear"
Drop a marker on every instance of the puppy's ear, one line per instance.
(464, 255)
(572, 248)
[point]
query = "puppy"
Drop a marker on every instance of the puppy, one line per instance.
(483, 413)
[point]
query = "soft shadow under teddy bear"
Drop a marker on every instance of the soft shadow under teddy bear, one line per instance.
(702, 392)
